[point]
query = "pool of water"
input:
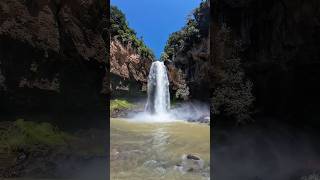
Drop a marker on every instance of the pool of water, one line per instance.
(141, 150)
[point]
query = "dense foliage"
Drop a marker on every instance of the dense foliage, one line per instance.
(197, 27)
(119, 104)
(232, 91)
(123, 33)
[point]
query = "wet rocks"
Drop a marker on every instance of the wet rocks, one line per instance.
(125, 155)
(151, 164)
(116, 113)
(156, 166)
(202, 119)
(190, 163)
(160, 170)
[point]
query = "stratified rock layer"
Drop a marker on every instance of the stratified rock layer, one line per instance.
(53, 59)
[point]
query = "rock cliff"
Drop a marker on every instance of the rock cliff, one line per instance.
(129, 71)
(281, 43)
(186, 55)
(53, 58)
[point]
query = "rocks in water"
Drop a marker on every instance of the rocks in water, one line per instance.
(202, 119)
(193, 157)
(124, 113)
(116, 113)
(151, 164)
(190, 163)
(114, 154)
(160, 170)
(192, 111)
(156, 166)
(124, 155)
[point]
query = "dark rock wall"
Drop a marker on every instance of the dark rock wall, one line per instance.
(53, 60)
(281, 41)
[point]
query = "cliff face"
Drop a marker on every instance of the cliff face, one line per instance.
(53, 58)
(130, 58)
(129, 71)
(186, 55)
(281, 42)
(192, 68)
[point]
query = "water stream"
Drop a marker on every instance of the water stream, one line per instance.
(158, 89)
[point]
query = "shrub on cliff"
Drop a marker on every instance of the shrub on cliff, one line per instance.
(120, 104)
(121, 31)
(232, 95)
(197, 27)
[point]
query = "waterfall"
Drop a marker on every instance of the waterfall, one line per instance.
(158, 89)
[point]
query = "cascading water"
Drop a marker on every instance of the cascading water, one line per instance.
(158, 89)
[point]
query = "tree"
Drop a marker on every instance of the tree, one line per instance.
(121, 31)
(232, 95)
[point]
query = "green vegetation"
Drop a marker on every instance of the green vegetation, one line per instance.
(197, 27)
(120, 104)
(123, 33)
(232, 96)
(31, 136)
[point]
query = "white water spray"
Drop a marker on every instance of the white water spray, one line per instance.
(158, 89)
(157, 108)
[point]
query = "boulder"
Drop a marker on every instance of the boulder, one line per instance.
(190, 163)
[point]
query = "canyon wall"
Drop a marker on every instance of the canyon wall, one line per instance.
(281, 45)
(53, 60)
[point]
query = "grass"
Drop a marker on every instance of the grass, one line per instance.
(120, 104)
(31, 135)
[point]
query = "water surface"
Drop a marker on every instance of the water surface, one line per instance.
(141, 150)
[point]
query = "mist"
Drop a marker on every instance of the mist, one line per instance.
(270, 151)
(96, 169)
(186, 111)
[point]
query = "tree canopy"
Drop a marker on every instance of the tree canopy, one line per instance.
(120, 30)
(197, 27)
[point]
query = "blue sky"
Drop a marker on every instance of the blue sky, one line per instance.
(155, 20)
